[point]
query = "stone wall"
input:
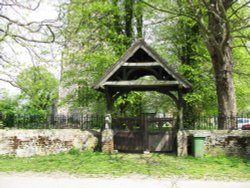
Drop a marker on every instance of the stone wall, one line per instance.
(217, 142)
(23, 143)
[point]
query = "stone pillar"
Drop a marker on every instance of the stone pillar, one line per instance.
(107, 140)
(108, 136)
(108, 121)
(182, 143)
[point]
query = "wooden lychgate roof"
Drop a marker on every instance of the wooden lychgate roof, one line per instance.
(141, 60)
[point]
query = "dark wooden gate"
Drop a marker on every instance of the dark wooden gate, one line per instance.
(144, 133)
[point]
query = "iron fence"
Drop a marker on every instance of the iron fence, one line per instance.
(97, 121)
(72, 121)
(212, 122)
(202, 123)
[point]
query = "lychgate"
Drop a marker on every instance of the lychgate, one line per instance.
(143, 133)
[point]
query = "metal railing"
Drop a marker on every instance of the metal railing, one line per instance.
(72, 121)
(97, 121)
(212, 122)
(201, 123)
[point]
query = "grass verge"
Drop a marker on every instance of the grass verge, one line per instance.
(161, 165)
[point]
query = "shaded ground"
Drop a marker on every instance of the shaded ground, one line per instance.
(60, 180)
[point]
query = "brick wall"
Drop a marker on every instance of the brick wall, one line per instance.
(24, 143)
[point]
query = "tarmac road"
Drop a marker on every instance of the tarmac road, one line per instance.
(60, 180)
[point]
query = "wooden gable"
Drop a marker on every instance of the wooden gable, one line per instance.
(141, 60)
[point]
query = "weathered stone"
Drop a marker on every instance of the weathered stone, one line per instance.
(24, 143)
(108, 141)
(218, 142)
(182, 142)
(91, 142)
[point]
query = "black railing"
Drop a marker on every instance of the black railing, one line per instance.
(72, 121)
(97, 121)
(212, 122)
(201, 123)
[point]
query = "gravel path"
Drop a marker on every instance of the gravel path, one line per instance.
(60, 180)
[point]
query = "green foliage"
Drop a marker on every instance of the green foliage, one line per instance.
(160, 165)
(183, 47)
(1, 124)
(32, 108)
(220, 29)
(97, 35)
(241, 57)
(129, 104)
(74, 151)
(155, 102)
(137, 103)
(8, 109)
(14, 113)
(241, 79)
(39, 90)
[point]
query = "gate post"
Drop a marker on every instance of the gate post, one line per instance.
(180, 110)
(145, 138)
(182, 143)
(108, 136)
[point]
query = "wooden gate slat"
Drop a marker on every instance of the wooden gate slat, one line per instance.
(129, 137)
(161, 141)
(128, 141)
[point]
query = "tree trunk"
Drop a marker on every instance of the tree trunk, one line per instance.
(129, 6)
(218, 44)
(139, 18)
(223, 70)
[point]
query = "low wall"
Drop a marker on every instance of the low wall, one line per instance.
(217, 142)
(23, 143)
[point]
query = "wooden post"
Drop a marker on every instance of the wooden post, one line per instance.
(145, 139)
(108, 134)
(180, 109)
(110, 101)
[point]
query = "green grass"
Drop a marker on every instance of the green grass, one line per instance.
(97, 163)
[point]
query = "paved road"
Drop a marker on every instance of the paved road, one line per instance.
(31, 180)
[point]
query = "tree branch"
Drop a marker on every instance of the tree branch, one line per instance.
(16, 4)
(241, 28)
(157, 8)
(5, 32)
(238, 9)
(10, 82)
(227, 29)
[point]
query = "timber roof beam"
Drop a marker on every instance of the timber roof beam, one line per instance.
(141, 60)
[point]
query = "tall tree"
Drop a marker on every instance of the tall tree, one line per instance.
(8, 109)
(180, 42)
(217, 20)
(39, 88)
(97, 34)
